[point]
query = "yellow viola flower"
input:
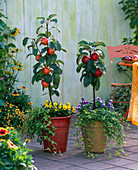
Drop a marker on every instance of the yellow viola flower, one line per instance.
(55, 104)
(56, 110)
(64, 107)
(73, 109)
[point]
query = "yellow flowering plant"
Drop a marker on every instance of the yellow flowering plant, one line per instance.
(10, 115)
(13, 150)
(58, 109)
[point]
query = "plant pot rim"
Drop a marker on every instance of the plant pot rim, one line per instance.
(65, 117)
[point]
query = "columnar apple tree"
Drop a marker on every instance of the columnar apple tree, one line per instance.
(90, 61)
(43, 49)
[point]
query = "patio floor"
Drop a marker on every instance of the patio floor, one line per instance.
(73, 158)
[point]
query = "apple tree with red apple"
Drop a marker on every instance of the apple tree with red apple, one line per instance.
(43, 48)
(90, 62)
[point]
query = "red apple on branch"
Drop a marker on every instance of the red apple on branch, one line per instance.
(85, 59)
(38, 56)
(50, 51)
(46, 70)
(44, 41)
(98, 73)
(94, 56)
(44, 84)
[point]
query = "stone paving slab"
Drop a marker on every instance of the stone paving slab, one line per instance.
(74, 159)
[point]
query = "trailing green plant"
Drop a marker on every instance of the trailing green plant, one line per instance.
(13, 151)
(92, 64)
(10, 115)
(110, 122)
(44, 48)
(9, 64)
(37, 122)
(130, 8)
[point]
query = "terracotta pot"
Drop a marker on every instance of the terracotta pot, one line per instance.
(94, 143)
(62, 125)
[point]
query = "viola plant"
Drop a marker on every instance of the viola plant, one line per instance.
(111, 125)
(58, 109)
(44, 48)
(13, 150)
(92, 64)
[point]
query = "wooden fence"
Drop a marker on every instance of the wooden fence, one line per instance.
(92, 20)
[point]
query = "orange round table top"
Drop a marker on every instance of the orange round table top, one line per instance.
(125, 64)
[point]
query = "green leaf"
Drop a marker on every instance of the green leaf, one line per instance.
(44, 50)
(56, 28)
(83, 42)
(29, 55)
(25, 40)
(52, 58)
(35, 51)
(58, 70)
(34, 78)
(2, 102)
(82, 76)
(97, 84)
(49, 34)
(51, 16)
(43, 18)
(58, 45)
(37, 30)
(56, 80)
(79, 67)
(41, 35)
(89, 66)
(53, 20)
(48, 78)
(63, 50)
(56, 93)
(2, 24)
(87, 81)
(59, 61)
(99, 44)
(11, 45)
(51, 44)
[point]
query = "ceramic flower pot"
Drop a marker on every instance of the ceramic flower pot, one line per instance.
(94, 138)
(62, 125)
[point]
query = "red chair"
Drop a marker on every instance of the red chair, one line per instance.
(120, 52)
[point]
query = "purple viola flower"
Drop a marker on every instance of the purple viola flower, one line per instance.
(98, 98)
(110, 101)
(103, 105)
(76, 115)
(82, 99)
(111, 107)
(109, 104)
(92, 100)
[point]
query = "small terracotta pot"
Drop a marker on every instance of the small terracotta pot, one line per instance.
(96, 143)
(62, 125)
